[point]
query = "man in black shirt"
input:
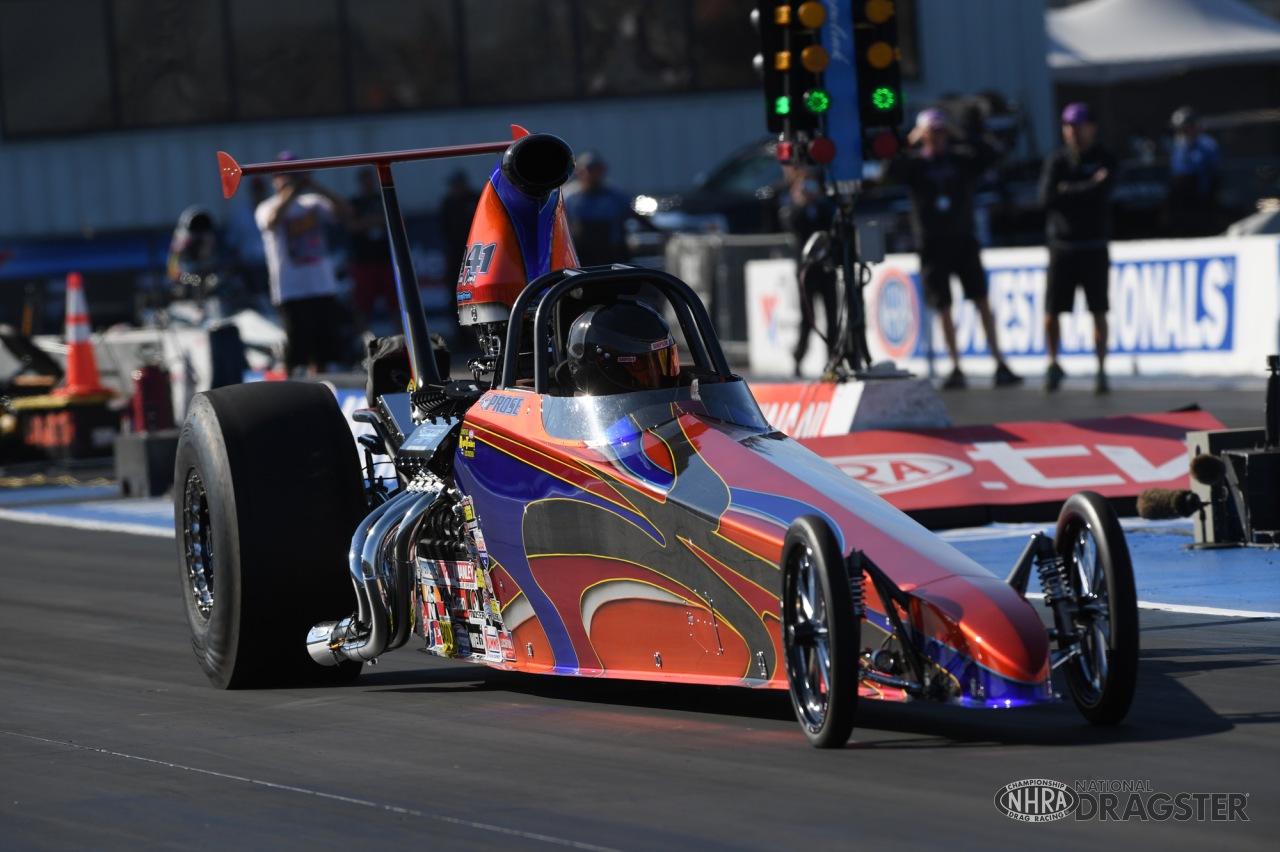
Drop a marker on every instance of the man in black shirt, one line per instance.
(807, 211)
(1075, 189)
(373, 277)
(941, 177)
(457, 209)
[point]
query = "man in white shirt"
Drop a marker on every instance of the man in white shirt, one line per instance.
(304, 288)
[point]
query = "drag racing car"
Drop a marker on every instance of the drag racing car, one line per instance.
(602, 497)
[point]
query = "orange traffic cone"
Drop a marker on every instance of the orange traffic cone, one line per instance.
(82, 377)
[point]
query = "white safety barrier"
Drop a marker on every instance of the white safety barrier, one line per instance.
(1208, 307)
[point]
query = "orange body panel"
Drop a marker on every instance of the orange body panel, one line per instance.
(508, 247)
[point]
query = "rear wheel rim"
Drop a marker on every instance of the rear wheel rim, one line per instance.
(198, 544)
(809, 651)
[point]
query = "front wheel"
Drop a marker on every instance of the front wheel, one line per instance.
(1101, 659)
(821, 630)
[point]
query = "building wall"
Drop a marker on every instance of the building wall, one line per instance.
(967, 46)
(119, 181)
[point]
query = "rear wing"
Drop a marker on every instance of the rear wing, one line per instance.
(413, 318)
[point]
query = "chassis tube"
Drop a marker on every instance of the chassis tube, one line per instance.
(417, 338)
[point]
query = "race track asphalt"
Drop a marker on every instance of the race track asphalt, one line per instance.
(1236, 402)
(111, 738)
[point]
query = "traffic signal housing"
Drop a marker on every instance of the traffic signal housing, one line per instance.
(877, 59)
(771, 63)
(791, 62)
(810, 98)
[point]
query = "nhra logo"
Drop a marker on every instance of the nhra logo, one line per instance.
(1036, 800)
(897, 314)
(887, 473)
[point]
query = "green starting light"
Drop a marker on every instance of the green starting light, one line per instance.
(884, 98)
(817, 101)
(782, 106)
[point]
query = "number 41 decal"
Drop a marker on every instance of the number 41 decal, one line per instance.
(479, 256)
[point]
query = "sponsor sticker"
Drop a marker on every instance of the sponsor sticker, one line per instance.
(466, 575)
(501, 404)
(492, 644)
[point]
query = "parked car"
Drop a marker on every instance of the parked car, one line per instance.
(740, 195)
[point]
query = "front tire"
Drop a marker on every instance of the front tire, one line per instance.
(267, 493)
(821, 630)
(1102, 675)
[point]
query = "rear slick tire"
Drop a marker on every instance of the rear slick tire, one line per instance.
(1103, 676)
(267, 494)
(821, 632)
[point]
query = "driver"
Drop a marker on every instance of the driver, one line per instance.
(626, 346)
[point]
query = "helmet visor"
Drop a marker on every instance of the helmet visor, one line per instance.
(657, 368)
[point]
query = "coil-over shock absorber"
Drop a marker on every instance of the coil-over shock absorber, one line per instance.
(1053, 579)
(1054, 572)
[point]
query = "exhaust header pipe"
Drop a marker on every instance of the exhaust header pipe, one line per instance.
(382, 572)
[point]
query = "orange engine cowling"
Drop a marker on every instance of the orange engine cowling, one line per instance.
(519, 230)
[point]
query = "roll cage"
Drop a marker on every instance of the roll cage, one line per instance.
(538, 322)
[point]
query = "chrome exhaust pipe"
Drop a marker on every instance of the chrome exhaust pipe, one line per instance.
(383, 585)
(398, 561)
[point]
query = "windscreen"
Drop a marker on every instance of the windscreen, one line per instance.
(615, 417)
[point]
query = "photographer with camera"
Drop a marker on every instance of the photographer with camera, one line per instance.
(304, 288)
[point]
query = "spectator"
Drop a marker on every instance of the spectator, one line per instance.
(457, 209)
(941, 176)
(373, 277)
(598, 214)
(808, 213)
(1195, 173)
(194, 257)
(304, 288)
(245, 242)
(1075, 190)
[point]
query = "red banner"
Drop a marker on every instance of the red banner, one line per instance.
(1013, 464)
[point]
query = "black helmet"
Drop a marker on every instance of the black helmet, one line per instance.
(621, 347)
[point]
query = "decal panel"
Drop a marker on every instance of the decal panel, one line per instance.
(655, 556)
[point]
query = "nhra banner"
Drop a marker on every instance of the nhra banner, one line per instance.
(1190, 307)
(1018, 464)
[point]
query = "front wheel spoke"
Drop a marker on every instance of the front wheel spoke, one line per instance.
(822, 654)
(806, 589)
(1085, 661)
(1085, 575)
(1099, 646)
(816, 686)
(1066, 655)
